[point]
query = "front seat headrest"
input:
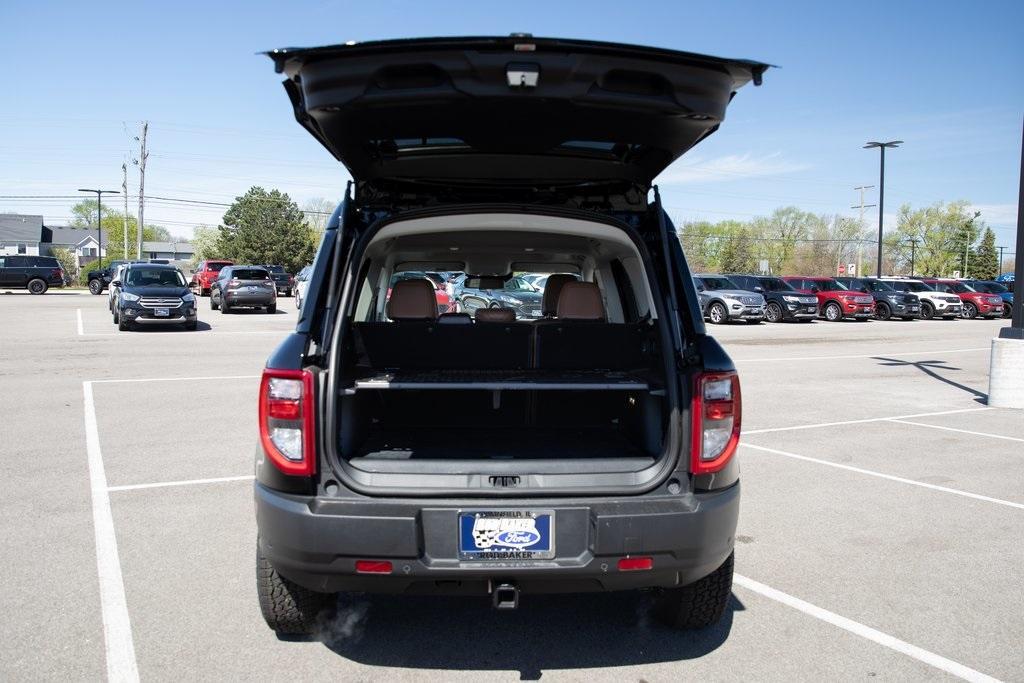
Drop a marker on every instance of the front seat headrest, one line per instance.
(412, 300)
(552, 289)
(580, 301)
(495, 315)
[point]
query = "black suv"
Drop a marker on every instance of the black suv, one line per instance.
(34, 273)
(592, 450)
(889, 303)
(783, 302)
(153, 293)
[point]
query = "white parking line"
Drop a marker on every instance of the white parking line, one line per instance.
(78, 314)
(951, 429)
(864, 631)
(187, 482)
(901, 480)
(867, 355)
(117, 628)
(174, 379)
(818, 425)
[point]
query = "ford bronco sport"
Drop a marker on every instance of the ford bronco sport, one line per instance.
(593, 448)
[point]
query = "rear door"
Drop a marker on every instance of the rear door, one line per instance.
(14, 272)
(508, 109)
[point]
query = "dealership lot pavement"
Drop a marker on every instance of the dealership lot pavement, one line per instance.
(883, 510)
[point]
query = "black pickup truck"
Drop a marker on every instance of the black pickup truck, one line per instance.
(284, 280)
(100, 279)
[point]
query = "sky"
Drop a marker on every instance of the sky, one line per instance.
(945, 77)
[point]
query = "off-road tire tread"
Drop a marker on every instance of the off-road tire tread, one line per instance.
(289, 609)
(701, 603)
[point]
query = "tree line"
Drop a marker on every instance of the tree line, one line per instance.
(938, 240)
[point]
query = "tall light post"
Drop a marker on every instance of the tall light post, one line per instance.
(99, 220)
(881, 193)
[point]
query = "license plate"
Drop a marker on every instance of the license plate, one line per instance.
(508, 535)
(913, 309)
(252, 288)
(161, 312)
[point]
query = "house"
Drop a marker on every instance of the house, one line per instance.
(172, 251)
(82, 242)
(20, 234)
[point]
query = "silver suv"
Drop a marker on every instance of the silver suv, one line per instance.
(722, 301)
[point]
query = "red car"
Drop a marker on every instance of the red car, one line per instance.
(205, 274)
(975, 304)
(835, 301)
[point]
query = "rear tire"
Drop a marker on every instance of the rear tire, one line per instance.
(833, 313)
(773, 313)
(95, 287)
(700, 604)
(288, 608)
(927, 311)
(37, 286)
(117, 317)
(882, 311)
(225, 308)
(969, 311)
(1007, 311)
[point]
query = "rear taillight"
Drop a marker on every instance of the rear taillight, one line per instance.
(716, 420)
(286, 421)
(232, 284)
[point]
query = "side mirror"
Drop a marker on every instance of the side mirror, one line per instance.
(116, 283)
(759, 289)
(814, 289)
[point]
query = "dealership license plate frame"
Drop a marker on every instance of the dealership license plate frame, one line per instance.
(543, 523)
(162, 312)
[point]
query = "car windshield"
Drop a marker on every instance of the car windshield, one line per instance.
(879, 286)
(518, 284)
(215, 267)
(250, 274)
(152, 277)
(918, 287)
(829, 285)
(713, 283)
(991, 287)
(961, 288)
(774, 284)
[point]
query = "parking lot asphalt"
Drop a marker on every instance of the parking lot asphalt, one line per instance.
(883, 508)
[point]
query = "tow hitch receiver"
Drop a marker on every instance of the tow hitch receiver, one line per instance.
(506, 596)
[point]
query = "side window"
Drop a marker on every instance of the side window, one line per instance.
(364, 303)
(3, 262)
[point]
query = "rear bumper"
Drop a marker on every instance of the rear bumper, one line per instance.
(259, 298)
(315, 542)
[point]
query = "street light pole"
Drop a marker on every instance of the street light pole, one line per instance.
(913, 250)
(881, 193)
(99, 220)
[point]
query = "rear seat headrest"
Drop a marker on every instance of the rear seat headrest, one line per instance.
(455, 319)
(412, 300)
(495, 315)
(580, 301)
(552, 290)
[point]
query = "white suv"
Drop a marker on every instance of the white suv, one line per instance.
(933, 304)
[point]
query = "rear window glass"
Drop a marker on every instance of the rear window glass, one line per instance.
(275, 269)
(250, 274)
(215, 267)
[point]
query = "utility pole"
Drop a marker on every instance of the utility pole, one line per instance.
(913, 252)
(99, 220)
(1001, 249)
(141, 161)
(860, 240)
(124, 189)
(882, 146)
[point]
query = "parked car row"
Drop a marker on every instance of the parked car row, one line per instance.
(753, 298)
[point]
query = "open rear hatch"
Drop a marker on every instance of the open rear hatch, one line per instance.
(515, 109)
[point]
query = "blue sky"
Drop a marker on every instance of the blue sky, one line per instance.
(945, 77)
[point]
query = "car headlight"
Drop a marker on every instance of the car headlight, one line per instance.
(792, 299)
(189, 298)
(130, 297)
(893, 298)
(510, 300)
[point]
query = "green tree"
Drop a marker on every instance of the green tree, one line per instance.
(985, 260)
(206, 242)
(738, 254)
(68, 261)
(942, 231)
(265, 226)
(781, 234)
(84, 216)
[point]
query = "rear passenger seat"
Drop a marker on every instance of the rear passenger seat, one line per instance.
(578, 339)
